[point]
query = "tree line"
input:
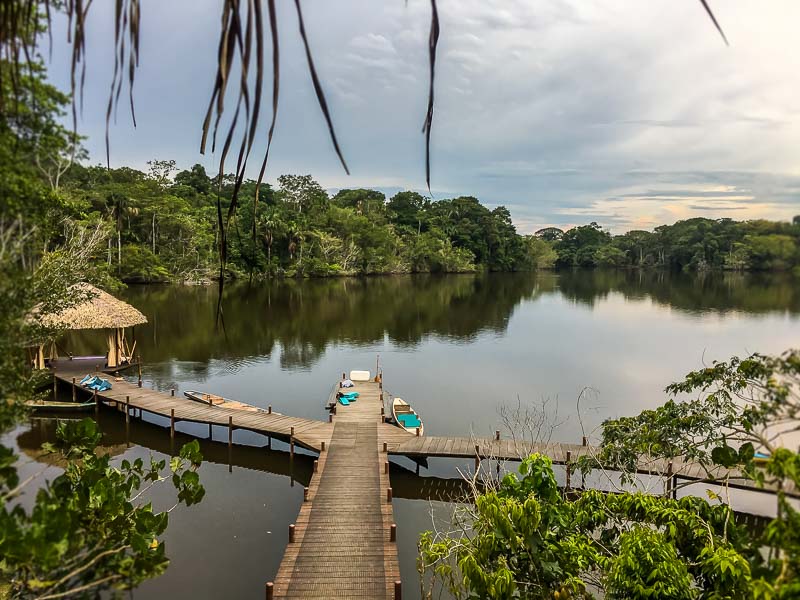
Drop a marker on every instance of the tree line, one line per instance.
(698, 244)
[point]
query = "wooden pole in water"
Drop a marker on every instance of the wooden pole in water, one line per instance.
(230, 432)
(127, 409)
(269, 409)
(172, 422)
(291, 533)
(55, 388)
(569, 475)
(583, 442)
(172, 392)
(270, 590)
(398, 594)
(393, 533)
(291, 441)
(497, 436)
(139, 365)
(477, 457)
(96, 402)
(74, 391)
(668, 483)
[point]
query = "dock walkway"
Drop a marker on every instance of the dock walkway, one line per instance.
(343, 546)
(307, 433)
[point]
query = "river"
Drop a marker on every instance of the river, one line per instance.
(466, 350)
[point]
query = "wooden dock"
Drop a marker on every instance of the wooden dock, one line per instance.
(342, 544)
(307, 433)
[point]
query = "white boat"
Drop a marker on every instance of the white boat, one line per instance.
(406, 417)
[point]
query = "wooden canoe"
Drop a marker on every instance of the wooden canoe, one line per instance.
(49, 406)
(214, 400)
(403, 414)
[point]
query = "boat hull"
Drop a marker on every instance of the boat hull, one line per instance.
(400, 406)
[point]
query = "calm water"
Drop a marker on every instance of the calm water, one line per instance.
(462, 349)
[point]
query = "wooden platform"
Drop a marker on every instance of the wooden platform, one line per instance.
(561, 453)
(307, 433)
(342, 544)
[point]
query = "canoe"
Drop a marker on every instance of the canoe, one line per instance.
(215, 400)
(406, 417)
(49, 406)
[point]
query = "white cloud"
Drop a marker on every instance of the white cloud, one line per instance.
(562, 109)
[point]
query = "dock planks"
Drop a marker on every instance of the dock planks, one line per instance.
(342, 546)
(308, 433)
(342, 536)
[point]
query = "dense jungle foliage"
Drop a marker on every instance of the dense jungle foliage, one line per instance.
(697, 244)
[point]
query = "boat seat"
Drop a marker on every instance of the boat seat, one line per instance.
(409, 420)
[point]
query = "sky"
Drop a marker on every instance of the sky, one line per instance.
(630, 114)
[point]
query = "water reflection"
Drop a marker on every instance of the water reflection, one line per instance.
(304, 318)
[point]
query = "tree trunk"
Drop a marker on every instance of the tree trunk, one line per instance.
(153, 232)
(119, 251)
(109, 252)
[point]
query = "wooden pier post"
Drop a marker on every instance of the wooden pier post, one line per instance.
(96, 402)
(385, 447)
(316, 466)
(230, 445)
(386, 467)
(172, 392)
(172, 422)
(389, 495)
(305, 494)
(291, 441)
(55, 387)
(330, 418)
(139, 365)
(477, 457)
(583, 441)
(74, 391)
(393, 533)
(417, 431)
(497, 436)
(270, 590)
(127, 409)
(322, 447)
(209, 431)
(269, 409)
(669, 484)
(291, 533)
(567, 466)
(398, 594)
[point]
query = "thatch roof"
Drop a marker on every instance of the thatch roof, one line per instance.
(101, 311)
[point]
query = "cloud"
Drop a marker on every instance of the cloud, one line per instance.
(631, 114)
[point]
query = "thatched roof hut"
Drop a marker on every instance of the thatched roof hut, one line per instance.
(101, 311)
